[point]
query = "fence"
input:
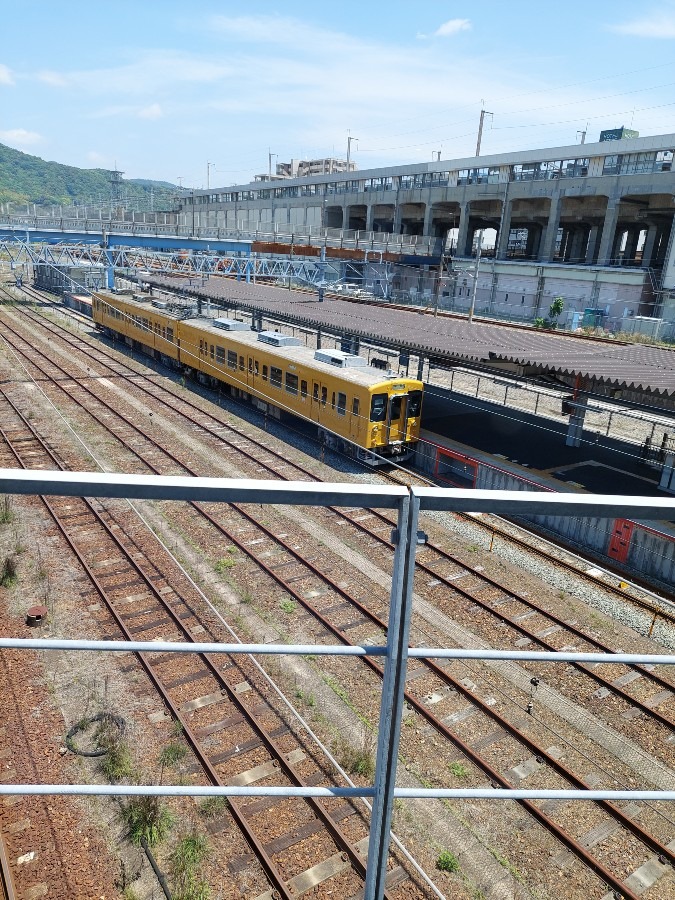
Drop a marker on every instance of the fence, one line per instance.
(408, 502)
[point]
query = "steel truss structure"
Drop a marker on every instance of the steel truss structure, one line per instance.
(408, 502)
(314, 271)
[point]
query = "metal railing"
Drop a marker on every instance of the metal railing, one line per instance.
(408, 502)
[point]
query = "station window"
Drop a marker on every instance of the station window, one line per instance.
(303, 389)
(341, 403)
(378, 408)
(275, 377)
(291, 383)
(264, 373)
(231, 359)
(355, 406)
(324, 396)
(220, 355)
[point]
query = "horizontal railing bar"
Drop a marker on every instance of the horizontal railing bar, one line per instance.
(229, 490)
(164, 790)
(216, 490)
(602, 506)
(334, 650)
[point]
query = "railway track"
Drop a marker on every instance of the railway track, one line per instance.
(226, 720)
(287, 582)
(530, 620)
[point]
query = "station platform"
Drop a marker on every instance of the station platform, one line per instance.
(601, 464)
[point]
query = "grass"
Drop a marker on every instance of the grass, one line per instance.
(147, 818)
(359, 760)
(458, 770)
(172, 754)
(117, 764)
(224, 564)
(309, 699)
(288, 606)
(9, 575)
(6, 511)
(184, 862)
(447, 862)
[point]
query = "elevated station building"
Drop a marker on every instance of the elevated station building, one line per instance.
(586, 207)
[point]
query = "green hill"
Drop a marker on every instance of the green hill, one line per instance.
(29, 179)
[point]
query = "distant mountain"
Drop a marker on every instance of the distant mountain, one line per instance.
(29, 179)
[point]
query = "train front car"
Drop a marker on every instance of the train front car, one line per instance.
(395, 411)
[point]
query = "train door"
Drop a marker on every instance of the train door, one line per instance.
(249, 372)
(356, 430)
(396, 418)
(413, 413)
(315, 404)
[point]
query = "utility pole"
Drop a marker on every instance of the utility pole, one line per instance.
(475, 276)
(269, 162)
(583, 134)
(483, 113)
(208, 173)
(349, 148)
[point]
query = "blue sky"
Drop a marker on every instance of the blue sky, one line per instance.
(162, 88)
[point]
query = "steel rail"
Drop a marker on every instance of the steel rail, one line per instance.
(6, 878)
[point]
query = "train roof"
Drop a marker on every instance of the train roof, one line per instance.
(298, 353)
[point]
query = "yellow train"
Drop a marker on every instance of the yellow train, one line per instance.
(373, 417)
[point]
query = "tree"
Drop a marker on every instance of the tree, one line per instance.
(555, 310)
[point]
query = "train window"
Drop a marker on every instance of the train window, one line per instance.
(220, 355)
(201, 347)
(211, 351)
(355, 406)
(396, 407)
(315, 393)
(250, 365)
(146, 324)
(241, 363)
(303, 389)
(264, 373)
(342, 403)
(231, 359)
(414, 404)
(332, 400)
(378, 408)
(257, 366)
(169, 334)
(291, 383)
(324, 396)
(275, 377)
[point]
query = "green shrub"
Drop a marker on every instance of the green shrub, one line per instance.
(147, 818)
(447, 862)
(212, 807)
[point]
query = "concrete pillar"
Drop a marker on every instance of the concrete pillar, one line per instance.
(608, 233)
(397, 219)
(576, 426)
(592, 245)
(420, 368)
(370, 215)
(667, 481)
(463, 230)
(547, 249)
(504, 230)
(428, 218)
(533, 242)
(648, 247)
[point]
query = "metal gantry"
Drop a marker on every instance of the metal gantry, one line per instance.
(408, 502)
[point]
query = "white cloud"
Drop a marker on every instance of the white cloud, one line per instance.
(154, 111)
(97, 158)
(452, 26)
(19, 137)
(53, 79)
(5, 75)
(657, 25)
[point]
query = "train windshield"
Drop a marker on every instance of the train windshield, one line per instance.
(414, 404)
(396, 407)
(378, 408)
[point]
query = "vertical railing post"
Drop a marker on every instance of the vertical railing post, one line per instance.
(393, 688)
